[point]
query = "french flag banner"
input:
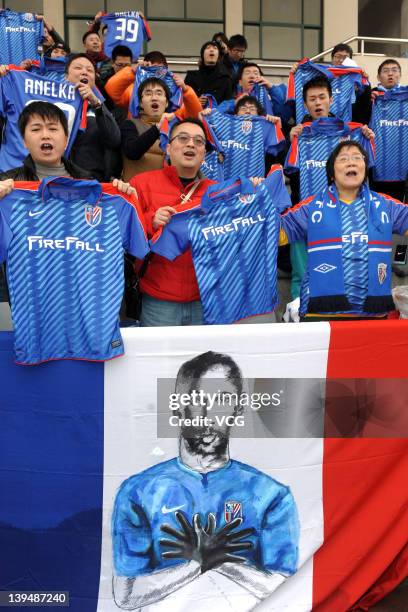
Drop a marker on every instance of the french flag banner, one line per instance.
(210, 468)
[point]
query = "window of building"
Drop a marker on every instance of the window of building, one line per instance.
(24, 6)
(179, 27)
(286, 30)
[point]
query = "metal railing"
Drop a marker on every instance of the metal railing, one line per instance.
(281, 66)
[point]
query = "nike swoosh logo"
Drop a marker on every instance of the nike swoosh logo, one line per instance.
(166, 510)
(32, 213)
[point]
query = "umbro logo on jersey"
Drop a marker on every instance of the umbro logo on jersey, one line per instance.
(324, 268)
(166, 510)
(234, 226)
(35, 213)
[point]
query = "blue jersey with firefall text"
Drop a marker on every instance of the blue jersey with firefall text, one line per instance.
(343, 79)
(158, 72)
(234, 240)
(50, 67)
(126, 28)
(389, 120)
(245, 139)
(309, 152)
(63, 241)
(21, 35)
(19, 88)
(148, 500)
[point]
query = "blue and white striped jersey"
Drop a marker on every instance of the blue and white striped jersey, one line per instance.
(126, 28)
(63, 241)
(21, 35)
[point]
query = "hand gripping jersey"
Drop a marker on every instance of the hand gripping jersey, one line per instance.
(148, 500)
(389, 120)
(245, 139)
(125, 28)
(343, 80)
(21, 35)
(17, 89)
(234, 241)
(63, 240)
(309, 152)
(159, 72)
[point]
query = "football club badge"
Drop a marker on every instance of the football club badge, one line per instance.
(246, 127)
(232, 510)
(382, 272)
(93, 215)
(160, 73)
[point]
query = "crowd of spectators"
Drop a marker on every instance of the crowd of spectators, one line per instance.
(133, 104)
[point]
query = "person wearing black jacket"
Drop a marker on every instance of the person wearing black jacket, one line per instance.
(92, 146)
(211, 76)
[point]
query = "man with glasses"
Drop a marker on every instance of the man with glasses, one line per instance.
(233, 60)
(170, 290)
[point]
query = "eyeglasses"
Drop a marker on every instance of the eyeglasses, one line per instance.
(249, 107)
(390, 70)
(343, 159)
(237, 50)
(148, 93)
(341, 56)
(121, 65)
(185, 139)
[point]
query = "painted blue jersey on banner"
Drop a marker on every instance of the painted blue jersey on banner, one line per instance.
(21, 35)
(17, 89)
(234, 241)
(50, 67)
(343, 79)
(245, 139)
(63, 240)
(309, 152)
(389, 120)
(146, 501)
(159, 72)
(126, 28)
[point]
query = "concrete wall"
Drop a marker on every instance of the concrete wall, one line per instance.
(340, 21)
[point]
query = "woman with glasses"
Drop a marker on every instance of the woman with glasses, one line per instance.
(348, 229)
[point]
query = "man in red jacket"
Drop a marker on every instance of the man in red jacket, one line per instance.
(170, 290)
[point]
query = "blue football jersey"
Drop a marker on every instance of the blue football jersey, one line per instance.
(147, 501)
(343, 80)
(21, 36)
(125, 28)
(17, 89)
(245, 139)
(50, 67)
(159, 72)
(389, 120)
(234, 241)
(309, 152)
(63, 241)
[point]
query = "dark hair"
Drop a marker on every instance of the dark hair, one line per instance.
(154, 81)
(121, 50)
(336, 152)
(85, 36)
(247, 65)
(222, 36)
(389, 61)
(210, 43)
(195, 368)
(237, 40)
(57, 45)
(156, 57)
(249, 99)
(192, 120)
(78, 56)
(318, 81)
(45, 110)
(342, 47)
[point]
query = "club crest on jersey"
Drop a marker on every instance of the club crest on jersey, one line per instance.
(28, 17)
(247, 199)
(382, 272)
(246, 127)
(93, 215)
(160, 73)
(232, 510)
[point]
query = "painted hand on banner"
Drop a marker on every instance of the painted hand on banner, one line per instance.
(207, 546)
